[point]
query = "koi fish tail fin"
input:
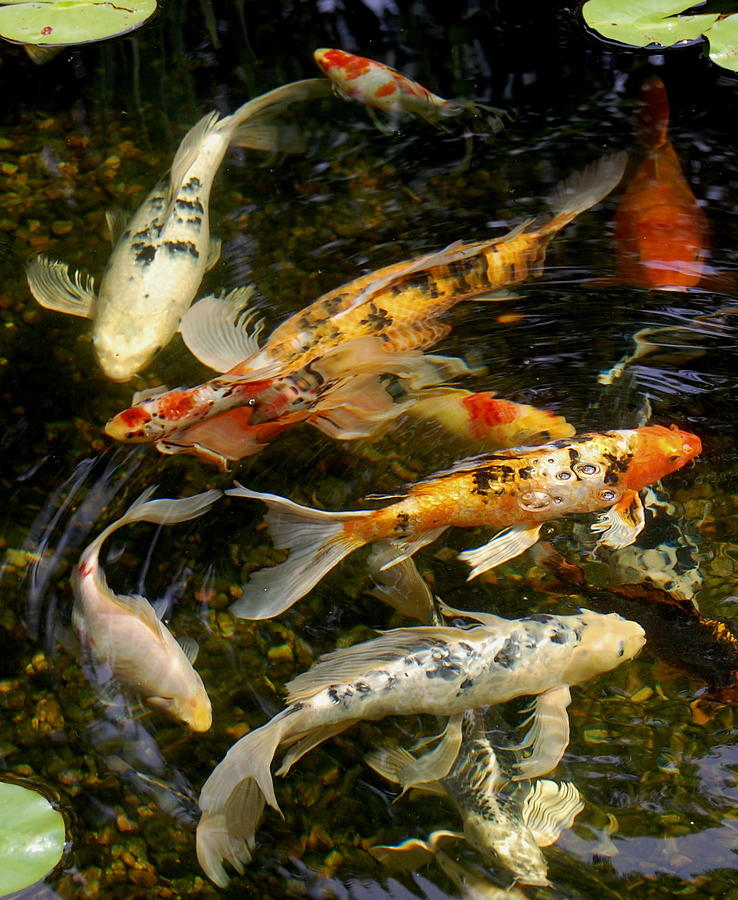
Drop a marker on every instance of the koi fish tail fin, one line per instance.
(652, 130)
(582, 190)
(233, 797)
(257, 124)
(317, 541)
(162, 512)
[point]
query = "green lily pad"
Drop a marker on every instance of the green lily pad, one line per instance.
(645, 22)
(63, 22)
(32, 836)
(723, 38)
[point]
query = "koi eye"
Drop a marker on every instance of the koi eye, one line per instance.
(587, 469)
(251, 402)
(607, 496)
(564, 476)
(621, 648)
(551, 460)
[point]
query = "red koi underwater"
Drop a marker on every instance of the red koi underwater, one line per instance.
(380, 87)
(661, 232)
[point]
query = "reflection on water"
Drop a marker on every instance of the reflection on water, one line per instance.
(96, 128)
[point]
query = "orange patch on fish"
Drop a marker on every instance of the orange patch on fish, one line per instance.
(351, 66)
(389, 88)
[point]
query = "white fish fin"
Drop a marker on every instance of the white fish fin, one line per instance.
(116, 220)
(622, 523)
(213, 253)
(232, 799)
(190, 648)
(437, 763)
(166, 511)
(310, 741)
(583, 189)
(148, 394)
(390, 762)
(186, 156)
(488, 619)
(140, 607)
(548, 737)
(251, 126)
(349, 664)
(216, 329)
(549, 808)
(409, 855)
(54, 288)
(405, 549)
(274, 137)
(160, 607)
(400, 585)
(317, 542)
(504, 546)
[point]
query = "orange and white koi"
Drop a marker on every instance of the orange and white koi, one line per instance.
(661, 232)
(516, 490)
(125, 636)
(379, 87)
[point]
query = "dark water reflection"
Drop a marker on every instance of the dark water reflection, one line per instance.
(96, 128)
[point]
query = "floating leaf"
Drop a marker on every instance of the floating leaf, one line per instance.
(32, 836)
(645, 22)
(723, 38)
(62, 22)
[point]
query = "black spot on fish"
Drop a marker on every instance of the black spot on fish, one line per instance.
(488, 476)
(467, 648)
(458, 270)
(362, 687)
(525, 472)
(193, 184)
(193, 205)
(507, 654)
(377, 319)
(182, 247)
(402, 522)
(425, 283)
(540, 617)
(466, 683)
(145, 253)
(194, 220)
(446, 671)
(573, 456)
(558, 637)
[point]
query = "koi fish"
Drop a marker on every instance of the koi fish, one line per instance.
(126, 637)
(505, 823)
(339, 394)
(379, 87)
(661, 232)
(160, 256)
(434, 670)
(400, 303)
(517, 490)
(702, 648)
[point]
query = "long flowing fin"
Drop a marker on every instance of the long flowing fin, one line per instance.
(400, 585)
(622, 523)
(412, 853)
(582, 190)
(350, 663)
(549, 808)
(548, 737)
(310, 742)
(405, 549)
(232, 799)
(431, 767)
(220, 331)
(54, 288)
(317, 542)
(504, 546)
(252, 125)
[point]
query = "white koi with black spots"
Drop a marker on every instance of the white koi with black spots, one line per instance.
(160, 256)
(435, 670)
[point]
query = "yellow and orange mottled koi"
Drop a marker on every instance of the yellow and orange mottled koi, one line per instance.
(380, 87)
(516, 490)
(401, 303)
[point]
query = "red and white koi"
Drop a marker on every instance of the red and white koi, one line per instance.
(380, 87)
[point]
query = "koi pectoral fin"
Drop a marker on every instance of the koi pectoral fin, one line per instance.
(504, 546)
(548, 736)
(54, 288)
(220, 330)
(622, 523)
(412, 853)
(549, 808)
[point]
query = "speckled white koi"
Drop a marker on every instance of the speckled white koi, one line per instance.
(435, 670)
(160, 256)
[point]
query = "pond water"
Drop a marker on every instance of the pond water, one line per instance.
(94, 129)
